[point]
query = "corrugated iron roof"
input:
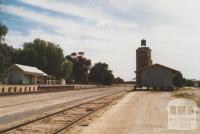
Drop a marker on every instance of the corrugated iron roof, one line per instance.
(162, 66)
(29, 69)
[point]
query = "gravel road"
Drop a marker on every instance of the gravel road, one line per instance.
(137, 113)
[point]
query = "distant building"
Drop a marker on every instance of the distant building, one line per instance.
(150, 75)
(156, 76)
(196, 84)
(21, 74)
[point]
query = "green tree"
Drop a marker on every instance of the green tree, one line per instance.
(118, 80)
(7, 58)
(81, 67)
(178, 80)
(28, 56)
(3, 29)
(66, 71)
(188, 82)
(55, 58)
(3, 32)
(6, 52)
(100, 74)
(44, 55)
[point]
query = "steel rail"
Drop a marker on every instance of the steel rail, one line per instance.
(49, 115)
(77, 120)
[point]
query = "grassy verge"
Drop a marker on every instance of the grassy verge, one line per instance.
(188, 93)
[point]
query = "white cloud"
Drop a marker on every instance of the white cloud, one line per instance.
(173, 35)
(67, 27)
(88, 14)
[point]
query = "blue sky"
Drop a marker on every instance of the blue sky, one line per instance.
(111, 30)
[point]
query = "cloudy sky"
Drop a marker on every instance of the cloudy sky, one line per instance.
(111, 30)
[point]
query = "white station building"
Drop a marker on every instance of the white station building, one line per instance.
(21, 74)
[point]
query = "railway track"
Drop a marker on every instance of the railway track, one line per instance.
(62, 120)
(31, 101)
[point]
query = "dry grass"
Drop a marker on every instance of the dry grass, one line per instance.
(188, 93)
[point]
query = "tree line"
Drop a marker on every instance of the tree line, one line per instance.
(74, 68)
(49, 57)
(180, 81)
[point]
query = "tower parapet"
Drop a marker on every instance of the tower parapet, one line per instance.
(143, 42)
(143, 56)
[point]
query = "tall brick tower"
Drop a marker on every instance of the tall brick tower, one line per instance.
(143, 56)
(143, 59)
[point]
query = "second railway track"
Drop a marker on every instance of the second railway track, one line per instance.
(61, 120)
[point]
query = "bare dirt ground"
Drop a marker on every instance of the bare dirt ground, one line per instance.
(17, 109)
(136, 113)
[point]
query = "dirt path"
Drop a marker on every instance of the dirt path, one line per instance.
(137, 113)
